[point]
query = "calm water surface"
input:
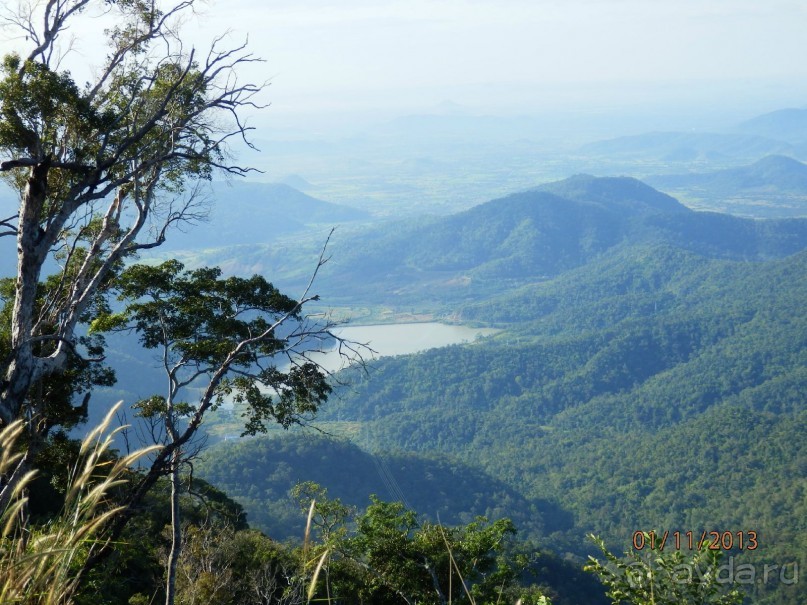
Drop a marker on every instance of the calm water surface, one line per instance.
(401, 339)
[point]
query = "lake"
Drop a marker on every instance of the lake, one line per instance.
(400, 339)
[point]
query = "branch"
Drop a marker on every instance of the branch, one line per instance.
(54, 23)
(69, 343)
(7, 223)
(31, 162)
(53, 298)
(154, 31)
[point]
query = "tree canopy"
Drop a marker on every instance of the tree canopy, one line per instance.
(104, 169)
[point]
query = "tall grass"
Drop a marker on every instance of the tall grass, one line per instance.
(38, 565)
(312, 586)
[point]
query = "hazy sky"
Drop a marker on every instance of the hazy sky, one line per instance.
(514, 56)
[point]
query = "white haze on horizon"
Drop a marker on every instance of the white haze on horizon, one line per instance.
(331, 62)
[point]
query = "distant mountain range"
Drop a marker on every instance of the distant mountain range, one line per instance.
(688, 147)
(778, 133)
(775, 186)
(773, 172)
(785, 125)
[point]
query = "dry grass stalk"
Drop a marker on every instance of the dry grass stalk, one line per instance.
(38, 565)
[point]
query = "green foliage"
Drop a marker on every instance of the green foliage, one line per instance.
(391, 555)
(329, 517)
(53, 397)
(213, 327)
(653, 388)
(669, 579)
(38, 104)
(221, 566)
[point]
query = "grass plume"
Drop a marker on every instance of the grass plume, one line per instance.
(38, 564)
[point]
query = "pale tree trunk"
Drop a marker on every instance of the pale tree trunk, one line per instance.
(176, 530)
(21, 370)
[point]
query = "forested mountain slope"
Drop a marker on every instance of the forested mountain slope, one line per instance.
(538, 234)
(652, 389)
(261, 472)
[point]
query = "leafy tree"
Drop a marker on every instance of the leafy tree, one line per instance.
(227, 338)
(328, 517)
(671, 579)
(387, 555)
(103, 170)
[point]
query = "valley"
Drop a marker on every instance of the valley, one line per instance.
(649, 371)
(581, 354)
(403, 303)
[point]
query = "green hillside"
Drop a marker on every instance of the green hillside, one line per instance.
(535, 235)
(654, 389)
(260, 473)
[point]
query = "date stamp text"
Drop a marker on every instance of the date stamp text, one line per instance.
(690, 540)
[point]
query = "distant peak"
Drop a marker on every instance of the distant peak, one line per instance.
(620, 192)
(779, 161)
(788, 113)
(785, 124)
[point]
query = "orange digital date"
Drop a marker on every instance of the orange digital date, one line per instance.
(713, 540)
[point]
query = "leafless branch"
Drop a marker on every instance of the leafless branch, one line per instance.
(9, 224)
